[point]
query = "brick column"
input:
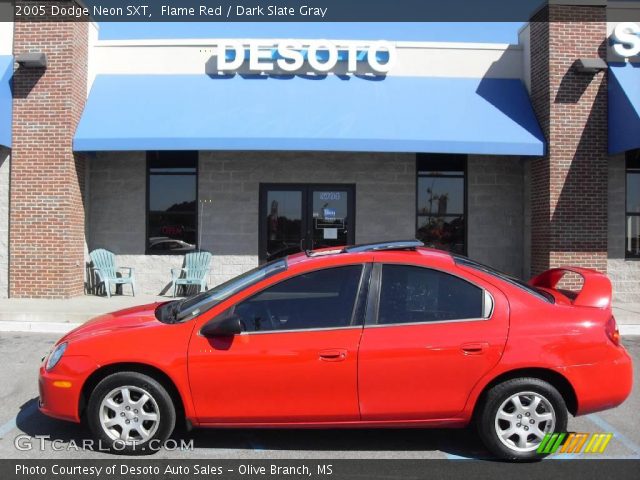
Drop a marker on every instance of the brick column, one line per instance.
(569, 185)
(46, 246)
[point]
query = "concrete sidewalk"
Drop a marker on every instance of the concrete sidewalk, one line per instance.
(60, 316)
(627, 313)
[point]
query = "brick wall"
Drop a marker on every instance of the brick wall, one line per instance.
(5, 161)
(385, 204)
(47, 179)
(117, 216)
(569, 185)
(385, 195)
(624, 274)
(495, 199)
(117, 202)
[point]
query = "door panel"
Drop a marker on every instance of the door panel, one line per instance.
(418, 371)
(296, 360)
(275, 377)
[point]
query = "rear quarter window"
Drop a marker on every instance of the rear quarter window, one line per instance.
(516, 282)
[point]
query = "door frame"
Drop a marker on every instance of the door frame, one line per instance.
(307, 209)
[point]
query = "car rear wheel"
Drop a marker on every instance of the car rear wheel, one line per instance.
(129, 412)
(517, 414)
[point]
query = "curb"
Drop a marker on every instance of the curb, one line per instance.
(628, 330)
(37, 327)
(64, 327)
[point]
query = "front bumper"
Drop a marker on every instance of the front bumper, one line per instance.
(602, 385)
(61, 388)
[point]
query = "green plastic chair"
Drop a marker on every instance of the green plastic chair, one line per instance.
(195, 271)
(104, 263)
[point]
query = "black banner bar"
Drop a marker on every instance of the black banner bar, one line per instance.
(295, 10)
(117, 469)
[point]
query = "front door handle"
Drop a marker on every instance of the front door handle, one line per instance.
(474, 348)
(337, 355)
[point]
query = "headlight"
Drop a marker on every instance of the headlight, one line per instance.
(55, 356)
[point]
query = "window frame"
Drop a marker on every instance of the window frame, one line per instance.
(375, 290)
(627, 170)
(358, 310)
(148, 160)
(465, 214)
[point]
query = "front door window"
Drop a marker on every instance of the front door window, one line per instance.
(320, 299)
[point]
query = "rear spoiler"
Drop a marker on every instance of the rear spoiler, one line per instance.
(596, 288)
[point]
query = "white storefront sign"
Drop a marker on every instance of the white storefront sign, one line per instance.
(292, 56)
(626, 39)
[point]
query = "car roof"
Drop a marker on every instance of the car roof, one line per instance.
(397, 250)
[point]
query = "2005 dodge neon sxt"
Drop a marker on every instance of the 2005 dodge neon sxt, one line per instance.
(381, 335)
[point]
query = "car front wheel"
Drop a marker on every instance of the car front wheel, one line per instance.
(517, 414)
(129, 412)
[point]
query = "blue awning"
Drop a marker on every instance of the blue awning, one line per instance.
(330, 113)
(6, 72)
(624, 107)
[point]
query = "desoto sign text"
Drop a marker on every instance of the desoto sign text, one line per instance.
(626, 39)
(293, 56)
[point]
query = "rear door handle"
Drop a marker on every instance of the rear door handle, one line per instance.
(474, 348)
(337, 355)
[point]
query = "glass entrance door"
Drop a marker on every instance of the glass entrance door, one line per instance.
(294, 218)
(330, 216)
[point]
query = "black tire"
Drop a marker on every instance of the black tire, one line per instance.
(160, 403)
(494, 399)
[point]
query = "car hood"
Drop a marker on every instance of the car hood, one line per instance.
(130, 318)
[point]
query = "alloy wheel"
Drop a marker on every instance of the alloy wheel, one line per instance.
(129, 414)
(523, 420)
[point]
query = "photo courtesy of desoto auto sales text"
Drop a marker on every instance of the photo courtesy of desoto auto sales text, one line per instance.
(326, 239)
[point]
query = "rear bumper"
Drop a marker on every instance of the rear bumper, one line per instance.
(61, 388)
(602, 385)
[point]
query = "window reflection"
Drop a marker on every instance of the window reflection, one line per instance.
(441, 219)
(632, 240)
(284, 223)
(172, 202)
(444, 233)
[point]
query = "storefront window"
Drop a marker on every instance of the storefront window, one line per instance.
(632, 240)
(441, 218)
(172, 202)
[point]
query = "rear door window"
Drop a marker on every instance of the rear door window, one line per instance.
(410, 294)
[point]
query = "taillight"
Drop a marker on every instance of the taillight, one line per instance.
(612, 331)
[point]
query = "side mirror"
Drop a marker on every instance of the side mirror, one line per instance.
(222, 326)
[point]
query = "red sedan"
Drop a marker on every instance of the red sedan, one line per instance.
(382, 335)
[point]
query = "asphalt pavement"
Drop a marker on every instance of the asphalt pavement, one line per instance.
(21, 423)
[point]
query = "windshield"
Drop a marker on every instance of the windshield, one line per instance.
(460, 260)
(181, 310)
